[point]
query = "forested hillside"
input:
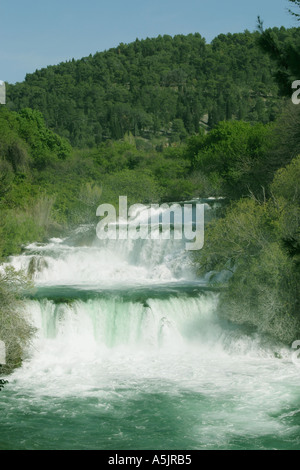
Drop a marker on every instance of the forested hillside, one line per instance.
(166, 87)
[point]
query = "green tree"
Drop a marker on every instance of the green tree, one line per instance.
(233, 154)
(146, 86)
(283, 46)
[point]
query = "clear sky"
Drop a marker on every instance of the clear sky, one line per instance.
(37, 33)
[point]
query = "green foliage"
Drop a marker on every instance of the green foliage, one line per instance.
(232, 155)
(283, 47)
(139, 186)
(25, 146)
(6, 177)
(25, 140)
(46, 147)
(286, 183)
(162, 87)
(263, 290)
(15, 329)
(67, 189)
(286, 191)
(19, 226)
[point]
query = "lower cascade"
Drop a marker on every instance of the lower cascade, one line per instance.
(130, 353)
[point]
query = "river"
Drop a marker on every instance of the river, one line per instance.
(130, 353)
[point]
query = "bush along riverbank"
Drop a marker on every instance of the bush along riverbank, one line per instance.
(16, 331)
(257, 241)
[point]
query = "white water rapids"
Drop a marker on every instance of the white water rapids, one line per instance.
(131, 354)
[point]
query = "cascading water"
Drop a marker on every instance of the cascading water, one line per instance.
(131, 354)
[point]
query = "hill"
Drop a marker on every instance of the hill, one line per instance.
(166, 86)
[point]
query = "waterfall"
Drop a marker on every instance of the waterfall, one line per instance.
(131, 353)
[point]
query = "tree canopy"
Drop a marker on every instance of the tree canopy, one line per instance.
(169, 86)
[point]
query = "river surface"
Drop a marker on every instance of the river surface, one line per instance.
(130, 354)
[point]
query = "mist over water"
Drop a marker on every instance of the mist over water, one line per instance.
(130, 353)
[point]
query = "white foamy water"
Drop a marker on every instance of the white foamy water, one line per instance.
(106, 262)
(133, 355)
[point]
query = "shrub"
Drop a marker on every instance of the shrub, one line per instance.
(16, 330)
(263, 290)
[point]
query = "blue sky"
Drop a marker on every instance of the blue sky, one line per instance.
(35, 33)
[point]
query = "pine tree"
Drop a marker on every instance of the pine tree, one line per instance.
(286, 55)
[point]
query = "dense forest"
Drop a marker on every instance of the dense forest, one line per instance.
(166, 119)
(166, 86)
